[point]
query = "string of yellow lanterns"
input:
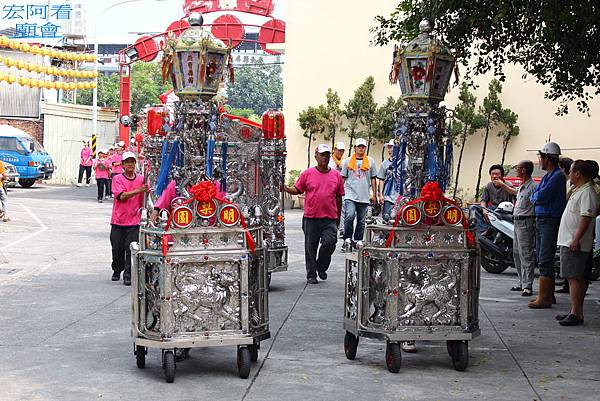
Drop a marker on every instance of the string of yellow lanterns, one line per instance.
(9, 62)
(6, 42)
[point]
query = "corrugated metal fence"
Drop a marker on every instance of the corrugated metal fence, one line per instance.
(65, 126)
(18, 101)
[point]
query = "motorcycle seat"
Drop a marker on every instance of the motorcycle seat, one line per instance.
(505, 216)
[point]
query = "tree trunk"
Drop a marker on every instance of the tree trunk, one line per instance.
(333, 141)
(368, 144)
(383, 153)
(308, 150)
(485, 139)
(504, 147)
(462, 148)
(350, 146)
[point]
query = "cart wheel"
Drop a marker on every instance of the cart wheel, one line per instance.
(140, 356)
(253, 352)
(393, 357)
(243, 362)
(350, 345)
(169, 360)
(460, 359)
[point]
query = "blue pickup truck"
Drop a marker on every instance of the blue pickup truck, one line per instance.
(26, 154)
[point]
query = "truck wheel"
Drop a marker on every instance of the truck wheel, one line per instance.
(26, 182)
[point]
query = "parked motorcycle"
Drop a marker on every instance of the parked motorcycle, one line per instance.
(496, 242)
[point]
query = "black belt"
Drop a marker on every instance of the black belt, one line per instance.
(523, 217)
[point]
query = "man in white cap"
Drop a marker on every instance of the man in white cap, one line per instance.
(360, 177)
(128, 189)
(337, 157)
(324, 189)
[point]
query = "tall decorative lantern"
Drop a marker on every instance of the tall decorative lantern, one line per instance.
(417, 276)
(199, 60)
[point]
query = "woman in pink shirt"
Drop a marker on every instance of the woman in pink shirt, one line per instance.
(128, 190)
(85, 164)
(102, 174)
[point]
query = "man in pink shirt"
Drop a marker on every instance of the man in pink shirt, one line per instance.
(324, 189)
(128, 189)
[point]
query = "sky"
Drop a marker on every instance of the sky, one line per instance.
(115, 24)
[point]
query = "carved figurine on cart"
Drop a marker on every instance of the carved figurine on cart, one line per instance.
(212, 226)
(417, 277)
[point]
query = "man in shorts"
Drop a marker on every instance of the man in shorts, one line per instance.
(575, 238)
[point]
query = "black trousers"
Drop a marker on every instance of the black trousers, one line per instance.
(120, 239)
(323, 232)
(102, 187)
(88, 174)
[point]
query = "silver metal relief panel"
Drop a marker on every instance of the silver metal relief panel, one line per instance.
(351, 289)
(428, 292)
(206, 296)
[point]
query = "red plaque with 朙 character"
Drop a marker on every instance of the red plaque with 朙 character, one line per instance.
(229, 215)
(452, 216)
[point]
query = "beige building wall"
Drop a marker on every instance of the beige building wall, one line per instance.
(327, 46)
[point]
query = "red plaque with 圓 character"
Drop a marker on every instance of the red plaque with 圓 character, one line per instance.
(229, 215)
(206, 210)
(432, 208)
(452, 215)
(411, 215)
(183, 217)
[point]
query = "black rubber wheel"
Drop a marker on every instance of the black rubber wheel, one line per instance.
(460, 359)
(140, 356)
(243, 362)
(26, 182)
(393, 357)
(350, 345)
(169, 361)
(253, 352)
(492, 265)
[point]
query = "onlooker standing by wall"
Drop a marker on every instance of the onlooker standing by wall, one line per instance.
(102, 174)
(524, 219)
(3, 196)
(564, 163)
(324, 189)
(575, 238)
(359, 173)
(128, 189)
(495, 192)
(85, 164)
(549, 199)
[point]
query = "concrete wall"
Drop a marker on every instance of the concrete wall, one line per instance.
(65, 126)
(327, 45)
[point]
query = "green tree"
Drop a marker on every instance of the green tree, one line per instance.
(108, 92)
(256, 87)
(491, 109)
(356, 109)
(333, 116)
(313, 122)
(465, 123)
(550, 39)
(508, 119)
(146, 86)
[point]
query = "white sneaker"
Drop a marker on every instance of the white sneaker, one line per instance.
(347, 245)
(408, 346)
(359, 244)
(78, 184)
(87, 185)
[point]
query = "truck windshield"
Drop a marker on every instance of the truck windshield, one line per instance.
(37, 147)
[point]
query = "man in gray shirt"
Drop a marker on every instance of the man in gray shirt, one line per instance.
(524, 218)
(359, 173)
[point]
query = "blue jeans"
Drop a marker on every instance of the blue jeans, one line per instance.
(597, 243)
(547, 235)
(355, 210)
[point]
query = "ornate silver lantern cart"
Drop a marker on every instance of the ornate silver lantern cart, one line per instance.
(417, 277)
(200, 271)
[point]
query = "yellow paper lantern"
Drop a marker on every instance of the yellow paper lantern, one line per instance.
(11, 79)
(9, 62)
(25, 47)
(20, 64)
(3, 40)
(34, 83)
(2, 76)
(53, 53)
(13, 44)
(80, 85)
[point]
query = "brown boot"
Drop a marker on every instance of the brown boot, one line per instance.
(545, 294)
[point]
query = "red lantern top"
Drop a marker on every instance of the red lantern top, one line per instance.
(273, 124)
(157, 118)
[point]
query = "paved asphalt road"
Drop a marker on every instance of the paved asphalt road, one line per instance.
(65, 330)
